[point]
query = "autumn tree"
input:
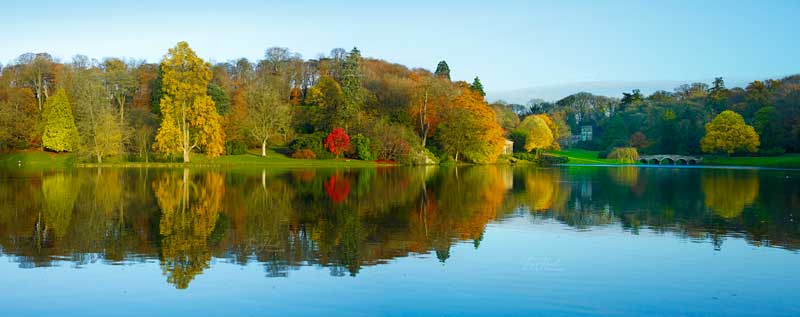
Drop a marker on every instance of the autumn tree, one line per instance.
(120, 83)
(538, 135)
(267, 115)
(101, 132)
(337, 141)
(638, 140)
(728, 133)
(430, 96)
(189, 118)
(60, 133)
(469, 127)
(442, 70)
(38, 72)
(328, 98)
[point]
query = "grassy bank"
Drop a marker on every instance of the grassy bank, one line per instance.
(578, 156)
(782, 161)
(37, 159)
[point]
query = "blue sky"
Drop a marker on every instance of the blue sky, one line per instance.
(509, 44)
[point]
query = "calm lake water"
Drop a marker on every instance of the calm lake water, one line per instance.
(472, 241)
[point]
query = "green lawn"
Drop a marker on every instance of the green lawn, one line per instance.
(38, 159)
(578, 156)
(782, 161)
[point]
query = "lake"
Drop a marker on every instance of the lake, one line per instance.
(431, 241)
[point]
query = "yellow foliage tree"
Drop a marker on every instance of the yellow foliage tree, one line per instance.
(538, 135)
(190, 119)
(728, 133)
(469, 127)
(553, 130)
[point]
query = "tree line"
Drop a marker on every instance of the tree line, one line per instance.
(763, 118)
(343, 104)
(184, 105)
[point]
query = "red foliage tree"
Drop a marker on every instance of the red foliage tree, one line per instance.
(337, 141)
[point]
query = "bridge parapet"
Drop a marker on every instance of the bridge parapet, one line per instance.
(670, 159)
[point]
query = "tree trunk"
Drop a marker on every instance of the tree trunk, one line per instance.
(99, 159)
(456, 157)
(185, 155)
(264, 148)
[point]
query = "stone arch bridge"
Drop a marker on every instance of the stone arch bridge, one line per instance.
(670, 159)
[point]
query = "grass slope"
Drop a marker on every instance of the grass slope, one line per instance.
(578, 156)
(38, 159)
(782, 161)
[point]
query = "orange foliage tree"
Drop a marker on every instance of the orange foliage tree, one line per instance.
(469, 127)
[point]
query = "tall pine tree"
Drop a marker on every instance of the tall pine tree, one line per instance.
(442, 70)
(477, 87)
(60, 132)
(351, 88)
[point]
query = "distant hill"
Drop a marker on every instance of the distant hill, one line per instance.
(601, 88)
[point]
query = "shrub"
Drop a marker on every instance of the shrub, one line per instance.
(775, 151)
(392, 142)
(543, 159)
(304, 154)
(312, 142)
(549, 160)
(525, 156)
(235, 148)
(360, 148)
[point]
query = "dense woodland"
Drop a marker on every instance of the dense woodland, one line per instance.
(347, 105)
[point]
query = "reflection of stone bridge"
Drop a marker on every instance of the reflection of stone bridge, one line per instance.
(670, 159)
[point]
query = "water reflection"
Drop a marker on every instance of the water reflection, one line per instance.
(347, 219)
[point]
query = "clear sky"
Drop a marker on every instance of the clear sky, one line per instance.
(509, 44)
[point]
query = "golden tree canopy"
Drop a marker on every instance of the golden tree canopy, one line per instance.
(190, 120)
(728, 133)
(538, 133)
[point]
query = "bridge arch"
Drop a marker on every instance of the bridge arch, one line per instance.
(681, 161)
(667, 161)
(653, 161)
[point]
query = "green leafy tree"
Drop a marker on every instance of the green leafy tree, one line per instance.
(60, 132)
(267, 115)
(768, 129)
(442, 70)
(632, 98)
(718, 95)
(220, 97)
(728, 133)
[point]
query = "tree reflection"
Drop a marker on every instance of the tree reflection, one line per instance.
(727, 194)
(347, 219)
(59, 192)
(190, 207)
